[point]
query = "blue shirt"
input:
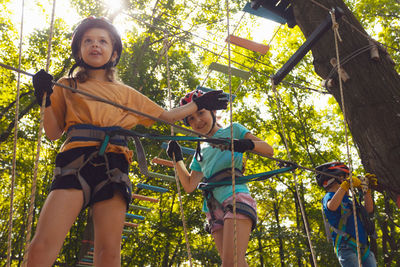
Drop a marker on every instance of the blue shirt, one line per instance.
(334, 218)
(215, 160)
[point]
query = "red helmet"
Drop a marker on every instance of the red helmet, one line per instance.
(189, 98)
(334, 168)
(93, 22)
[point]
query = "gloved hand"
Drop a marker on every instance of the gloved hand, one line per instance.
(346, 184)
(212, 100)
(243, 145)
(372, 180)
(174, 149)
(42, 82)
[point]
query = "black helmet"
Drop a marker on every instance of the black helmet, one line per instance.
(93, 22)
(189, 97)
(334, 168)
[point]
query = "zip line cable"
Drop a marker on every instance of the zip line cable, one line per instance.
(14, 159)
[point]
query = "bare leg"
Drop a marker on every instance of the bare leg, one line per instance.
(108, 219)
(218, 239)
(59, 212)
(243, 230)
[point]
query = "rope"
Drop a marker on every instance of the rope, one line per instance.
(235, 256)
(166, 45)
(294, 174)
(219, 55)
(34, 179)
(14, 160)
(335, 27)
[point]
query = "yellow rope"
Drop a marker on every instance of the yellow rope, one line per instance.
(166, 47)
(14, 160)
(294, 174)
(335, 27)
(34, 179)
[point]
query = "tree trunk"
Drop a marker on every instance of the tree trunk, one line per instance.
(371, 95)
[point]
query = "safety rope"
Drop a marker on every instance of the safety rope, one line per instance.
(166, 46)
(294, 174)
(235, 256)
(335, 27)
(14, 159)
(40, 132)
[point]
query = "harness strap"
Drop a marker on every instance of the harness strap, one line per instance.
(342, 235)
(223, 174)
(245, 209)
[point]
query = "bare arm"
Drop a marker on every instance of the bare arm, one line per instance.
(260, 147)
(178, 113)
(336, 200)
(53, 131)
(188, 180)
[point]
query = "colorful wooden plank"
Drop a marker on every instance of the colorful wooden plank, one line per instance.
(264, 13)
(167, 178)
(185, 150)
(136, 207)
(134, 216)
(248, 44)
(205, 89)
(234, 71)
(163, 162)
(82, 263)
(141, 197)
(87, 260)
(152, 188)
(127, 231)
(129, 224)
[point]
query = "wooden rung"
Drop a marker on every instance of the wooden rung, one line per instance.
(136, 207)
(165, 177)
(234, 71)
(90, 253)
(129, 224)
(264, 13)
(152, 188)
(164, 162)
(88, 241)
(205, 89)
(185, 150)
(248, 44)
(127, 231)
(124, 237)
(82, 263)
(87, 260)
(134, 216)
(88, 257)
(141, 197)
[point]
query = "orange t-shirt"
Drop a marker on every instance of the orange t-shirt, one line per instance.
(74, 108)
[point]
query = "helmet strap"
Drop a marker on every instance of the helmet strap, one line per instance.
(214, 121)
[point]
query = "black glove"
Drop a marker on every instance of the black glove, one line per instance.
(42, 82)
(243, 145)
(174, 148)
(212, 100)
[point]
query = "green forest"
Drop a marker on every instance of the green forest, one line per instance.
(168, 46)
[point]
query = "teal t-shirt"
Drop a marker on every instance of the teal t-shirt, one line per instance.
(215, 160)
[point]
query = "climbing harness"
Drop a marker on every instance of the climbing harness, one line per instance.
(341, 234)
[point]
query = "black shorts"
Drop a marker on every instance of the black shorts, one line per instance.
(94, 172)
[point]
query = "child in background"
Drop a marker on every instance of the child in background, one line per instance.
(338, 209)
(83, 176)
(214, 162)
